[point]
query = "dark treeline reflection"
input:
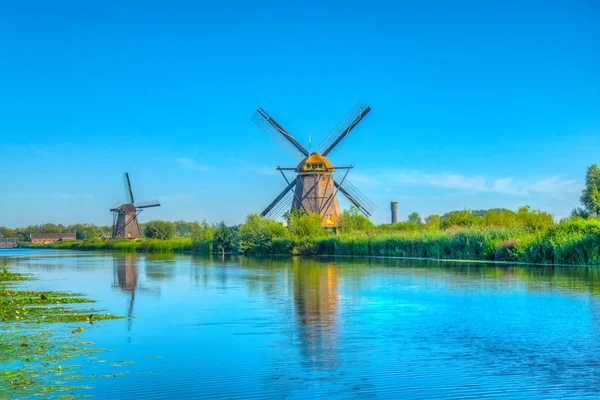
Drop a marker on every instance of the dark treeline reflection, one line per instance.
(534, 277)
(160, 267)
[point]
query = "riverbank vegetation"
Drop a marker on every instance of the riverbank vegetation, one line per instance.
(498, 235)
(522, 235)
(154, 229)
(125, 245)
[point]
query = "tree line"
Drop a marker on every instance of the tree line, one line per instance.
(258, 234)
(154, 229)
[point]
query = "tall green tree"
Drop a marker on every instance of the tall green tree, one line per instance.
(500, 217)
(87, 231)
(225, 239)
(580, 212)
(163, 230)
(415, 218)
(185, 229)
(202, 232)
(6, 232)
(354, 220)
(459, 218)
(202, 237)
(534, 219)
(590, 196)
(257, 232)
(302, 225)
(433, 221)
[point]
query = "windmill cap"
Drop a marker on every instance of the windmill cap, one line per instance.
(127, 208)
(314, 158)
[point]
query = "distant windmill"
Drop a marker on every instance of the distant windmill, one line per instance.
(317, 181)
(125, 223)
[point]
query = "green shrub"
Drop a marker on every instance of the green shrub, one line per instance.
(163, 230)
(353, 220)
(302, 225)
(459, 218)
(256, 234)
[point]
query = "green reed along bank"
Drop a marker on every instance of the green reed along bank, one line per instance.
(125, 245)
(523, 236)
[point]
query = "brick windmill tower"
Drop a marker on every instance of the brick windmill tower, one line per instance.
(317, 181)
(125, 223)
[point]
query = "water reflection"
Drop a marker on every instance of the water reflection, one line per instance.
(239, 327)
(125, 273)
(160, 267)
(126, 278)
(316, 301)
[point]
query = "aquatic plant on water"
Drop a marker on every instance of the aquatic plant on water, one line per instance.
(40, 341)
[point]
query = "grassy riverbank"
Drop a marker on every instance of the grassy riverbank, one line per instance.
(140, 246)
(531, 237)
(575, 242)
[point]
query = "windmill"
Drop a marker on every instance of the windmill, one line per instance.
(125, 223)
(317, 181)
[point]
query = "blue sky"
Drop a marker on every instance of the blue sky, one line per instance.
(473, 105)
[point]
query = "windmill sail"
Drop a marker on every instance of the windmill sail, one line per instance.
(125, 223)
(281, 204)
(128, 191)
(356, 114)
(148, 204)
(355, 196)
(316, 185)
(280, 135)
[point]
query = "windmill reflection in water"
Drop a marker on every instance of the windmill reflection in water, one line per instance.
(316, 301)
(125, 278)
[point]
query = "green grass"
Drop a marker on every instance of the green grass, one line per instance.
(123, 245)
(575, 242)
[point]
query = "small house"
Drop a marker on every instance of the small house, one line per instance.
(41, 238)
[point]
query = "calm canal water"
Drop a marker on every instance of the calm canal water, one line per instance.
(343, 328)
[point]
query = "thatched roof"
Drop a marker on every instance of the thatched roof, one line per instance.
(313, 162)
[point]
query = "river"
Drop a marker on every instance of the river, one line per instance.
(274, 328)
